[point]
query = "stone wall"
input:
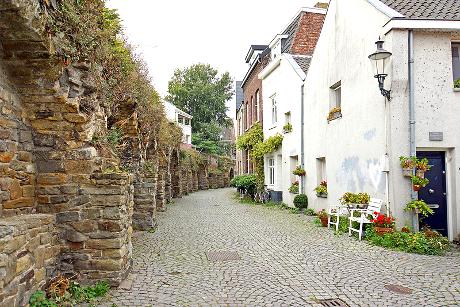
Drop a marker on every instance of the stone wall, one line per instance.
(66, 205)
(28, 252)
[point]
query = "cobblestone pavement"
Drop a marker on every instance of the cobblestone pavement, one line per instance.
(285, 261)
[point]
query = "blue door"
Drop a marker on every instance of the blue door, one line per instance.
(434, 194)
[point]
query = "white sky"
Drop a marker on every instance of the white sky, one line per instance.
(178, 33)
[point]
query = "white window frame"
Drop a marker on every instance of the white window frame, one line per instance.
(321, 169)
(256, 106)
(274, 110)
(336, 95)
(456, 72)
(271, 170)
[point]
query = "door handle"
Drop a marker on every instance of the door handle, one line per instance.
(433, 206)
(431, 191)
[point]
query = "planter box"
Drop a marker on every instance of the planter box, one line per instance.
(335, 116)
(321, 195)
(383, 230)
(407, 172)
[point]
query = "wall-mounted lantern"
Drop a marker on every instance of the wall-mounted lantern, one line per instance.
(379, 57)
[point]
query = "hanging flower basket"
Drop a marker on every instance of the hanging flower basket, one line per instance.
(420, 173)
(416, 187)
(407, 172)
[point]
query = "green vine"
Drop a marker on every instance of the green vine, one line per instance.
(272, 144)
(251, 138)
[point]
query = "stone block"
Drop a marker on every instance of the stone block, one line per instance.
(28, 191)
(18, 203)
(52, 179)
(110, 226)
(103, 243)
(6, 157)
(79, 167)
(70, 216)
(23, 263)
(15, 189)
(75, 236)
(50, 166)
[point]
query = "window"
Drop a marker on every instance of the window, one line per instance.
(287, 118)
(180, 119)
(187, 122)
(321, 169)
(456, 61)
(248, 118)
(256, 107)
(187, 139)
(271, 171)
(336, 96)
(274, 110)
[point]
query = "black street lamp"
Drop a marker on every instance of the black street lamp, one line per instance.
(380, 56)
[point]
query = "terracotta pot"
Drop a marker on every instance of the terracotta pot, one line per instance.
(416, 187)
(383, 230)
(323, 220)
(407, 172)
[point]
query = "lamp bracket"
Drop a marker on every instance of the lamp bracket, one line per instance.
(381, 79)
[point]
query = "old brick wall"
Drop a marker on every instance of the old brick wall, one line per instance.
(307, 34)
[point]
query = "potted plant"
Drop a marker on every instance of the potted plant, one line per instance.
(418, 183)
(407, 164)
(321, 189)
(383, 224)
(359, 200)
(301, 201)
(299, 171)
(419, 206)
(334, 114)
(421, 167)
(322, 215)
(457, 83)
(294, 188)
(287, 128)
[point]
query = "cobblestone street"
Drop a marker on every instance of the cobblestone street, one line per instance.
(285, 261)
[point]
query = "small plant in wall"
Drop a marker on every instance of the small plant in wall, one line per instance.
(299, 171)
(457, 83)
(321, 189)
(418, 183)
(287, 128)
(294, 188)
(408, 165)
(334, 114)
(419, 206)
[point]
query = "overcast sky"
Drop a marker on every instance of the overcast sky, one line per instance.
(178, 33)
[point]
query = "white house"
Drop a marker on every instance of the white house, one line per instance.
(358, 149)
(282, 80)
(182, 119)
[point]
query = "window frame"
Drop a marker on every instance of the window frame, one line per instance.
(274, 109)
(336, 95)
(271, 170)
(455, 73)
(256, 106)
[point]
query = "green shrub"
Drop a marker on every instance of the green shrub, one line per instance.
(247, 183)
(457, 83)
(429, 243)
(39, 299)
(301, 201)
(310, 212)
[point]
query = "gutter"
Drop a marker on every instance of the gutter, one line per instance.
(412, 145)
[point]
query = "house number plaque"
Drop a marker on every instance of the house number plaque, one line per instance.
(436, 136)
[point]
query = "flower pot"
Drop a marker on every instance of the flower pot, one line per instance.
(323, 220)
(383, 230)
(420, 173)
(416, 187)
(321, 195)
(417, 211)
(407, 172)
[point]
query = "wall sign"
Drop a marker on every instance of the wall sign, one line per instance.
(436, 136)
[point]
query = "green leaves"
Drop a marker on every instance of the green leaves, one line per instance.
(251, 138)
(199, 91)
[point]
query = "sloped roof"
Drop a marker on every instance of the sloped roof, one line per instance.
(290, 32)
(303, 62)
(426, 9)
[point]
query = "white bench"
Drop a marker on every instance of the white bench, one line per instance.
(375, 205)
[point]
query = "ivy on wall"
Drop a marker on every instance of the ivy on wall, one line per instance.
(253, 141)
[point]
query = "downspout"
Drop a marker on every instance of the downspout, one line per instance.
(302, 133)
(412, 147)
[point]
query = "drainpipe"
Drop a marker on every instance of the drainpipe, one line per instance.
(413, 149)
(302, 133)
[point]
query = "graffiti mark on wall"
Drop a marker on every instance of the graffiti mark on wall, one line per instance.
(358, 176)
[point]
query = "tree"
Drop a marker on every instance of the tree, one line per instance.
(201, 92)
